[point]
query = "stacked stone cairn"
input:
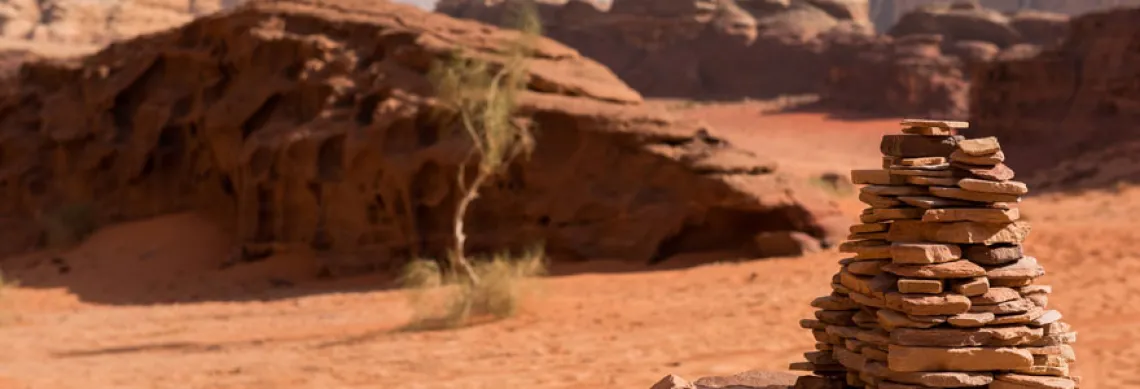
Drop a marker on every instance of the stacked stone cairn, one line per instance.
(937, 292)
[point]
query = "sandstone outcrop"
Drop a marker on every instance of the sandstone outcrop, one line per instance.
(1073, 102)
(305, 124)
(696, 48)
(887, 13)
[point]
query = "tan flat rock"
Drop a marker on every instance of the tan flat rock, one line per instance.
(874, 354)
(876, 177)
(1063, 351)
(945, 270)
(849, 359)
(972, 232)
(970, 320)
(1021, 381)
(966, 337)
(894, 190)
(926, 161)
(868, 301)
(971, 287)
(812, 324)
(998, 172)
(928, 202)
(914, 146)
(868, 268)
(892, 320)
(834, 303)
(980, 215)
(979, 146)
(1035, 289)
(999, 187)
(996, 296)
(886, 214)
(1016, 306)
(980, 160)
(946, 124)
(933, 379)
(867, 248)
(868, 228)
(907, 231)
(1043, 370)
(939, 171)
(1025, 268)
(1018, 318)
(1056, 339)
(992, 255)
(868, 236)
(932, 181)
(962, 194)
(928, 304)
(965, 359)
(1049, 317)
(877, 201)
(920, 286)
(924, 253)
(820, 358)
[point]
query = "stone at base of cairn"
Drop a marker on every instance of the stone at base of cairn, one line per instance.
(937, 291)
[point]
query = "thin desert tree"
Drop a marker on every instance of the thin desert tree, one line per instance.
(481, 97)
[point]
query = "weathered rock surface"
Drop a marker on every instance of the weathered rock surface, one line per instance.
(303, 124)
(696, 48)
(1067, 116)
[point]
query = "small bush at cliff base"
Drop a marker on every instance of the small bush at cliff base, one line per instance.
(441, 299)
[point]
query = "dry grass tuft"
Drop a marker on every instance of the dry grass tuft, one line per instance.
(442, 299)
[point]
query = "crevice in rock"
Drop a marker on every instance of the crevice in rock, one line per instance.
(260, 117)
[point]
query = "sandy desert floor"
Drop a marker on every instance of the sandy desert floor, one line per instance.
(263, 326)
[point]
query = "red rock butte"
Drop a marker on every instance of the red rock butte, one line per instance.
(307, 124)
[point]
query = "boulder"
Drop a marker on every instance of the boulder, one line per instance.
(297, 124)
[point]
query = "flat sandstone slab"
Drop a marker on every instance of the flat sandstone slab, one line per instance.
(971, 232)
(980, 215)
(968, 195)
(1020, 381)
(944, 270)
(928, 304)
(876, 177)
(979, 146)
(1000, 187)
(965, 359)
(915, 146)
(966, 337)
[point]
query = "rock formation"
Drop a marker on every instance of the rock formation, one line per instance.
(713, 49)
(886, 13)
(302, 124)
(924, 65)
(939, 292)
(1067, 103)
(696, 48)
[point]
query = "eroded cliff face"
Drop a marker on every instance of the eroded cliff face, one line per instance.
(1066, 103)
(307, 124)
(708, 49)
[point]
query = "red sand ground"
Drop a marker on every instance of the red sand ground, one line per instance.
(609, 329)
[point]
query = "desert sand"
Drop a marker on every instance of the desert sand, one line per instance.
(144, 305)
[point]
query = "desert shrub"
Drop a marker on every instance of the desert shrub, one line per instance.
(442, 299)
(479, 99)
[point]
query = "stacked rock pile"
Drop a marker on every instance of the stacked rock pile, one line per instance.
(938, 292)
